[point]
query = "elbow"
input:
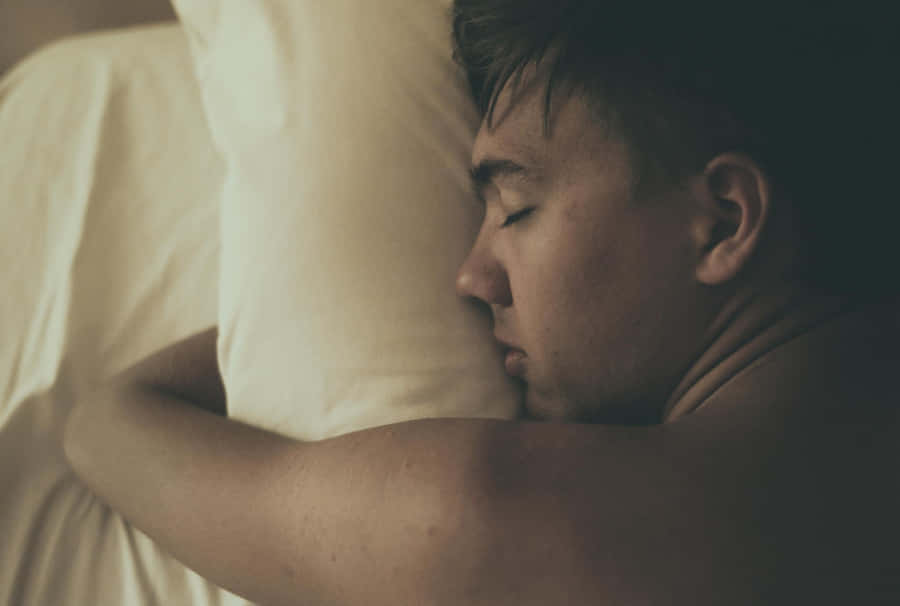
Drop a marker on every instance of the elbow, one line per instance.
(82, 434)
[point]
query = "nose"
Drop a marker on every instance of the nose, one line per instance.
(483, 276)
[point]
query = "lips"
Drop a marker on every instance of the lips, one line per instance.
(513, 357)
(515, 362)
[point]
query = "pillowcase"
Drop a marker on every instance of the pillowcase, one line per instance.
(346, 129)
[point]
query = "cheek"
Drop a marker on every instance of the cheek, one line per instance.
(594, 289)
(571, 276)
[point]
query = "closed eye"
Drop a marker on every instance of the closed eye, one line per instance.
(510, 219)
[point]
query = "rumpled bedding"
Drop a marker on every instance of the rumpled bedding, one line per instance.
(108, 251)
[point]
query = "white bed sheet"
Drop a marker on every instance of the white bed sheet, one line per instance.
(108, 251)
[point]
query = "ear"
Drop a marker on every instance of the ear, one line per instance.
(736, 196)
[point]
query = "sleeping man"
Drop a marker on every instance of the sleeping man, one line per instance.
(684, 249)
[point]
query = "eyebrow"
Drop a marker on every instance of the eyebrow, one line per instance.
(490, 169)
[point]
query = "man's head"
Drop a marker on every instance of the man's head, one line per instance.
(638, 170)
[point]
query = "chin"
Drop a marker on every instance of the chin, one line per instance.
(634, 417)
(542, 408)
(563, 410)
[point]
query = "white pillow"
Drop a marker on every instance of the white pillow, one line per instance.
(346, 129)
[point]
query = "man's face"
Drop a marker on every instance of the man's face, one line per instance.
(593, 287)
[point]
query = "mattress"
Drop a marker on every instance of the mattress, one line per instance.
(109, 219)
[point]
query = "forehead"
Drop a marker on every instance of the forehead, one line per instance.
(521, 130)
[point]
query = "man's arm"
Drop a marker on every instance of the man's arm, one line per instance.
(438, 511)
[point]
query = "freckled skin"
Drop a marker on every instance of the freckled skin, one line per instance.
(594, 285)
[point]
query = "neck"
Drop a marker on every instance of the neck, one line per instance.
(750, 325)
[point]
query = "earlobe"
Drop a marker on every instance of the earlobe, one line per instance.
(737, 196)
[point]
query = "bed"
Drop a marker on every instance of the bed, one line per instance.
(108, 184)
